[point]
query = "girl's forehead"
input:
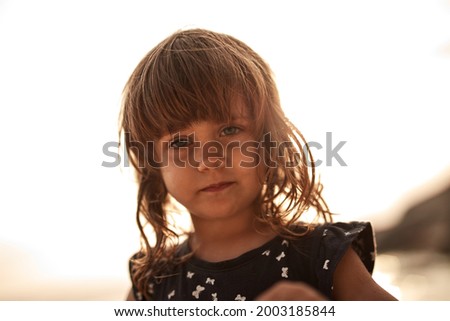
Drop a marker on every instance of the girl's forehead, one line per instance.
(239, 110)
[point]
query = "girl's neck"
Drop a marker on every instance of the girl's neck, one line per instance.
(216, 241)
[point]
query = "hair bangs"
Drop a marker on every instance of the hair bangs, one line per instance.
(187, 79)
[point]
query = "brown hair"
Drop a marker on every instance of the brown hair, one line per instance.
(195, 75)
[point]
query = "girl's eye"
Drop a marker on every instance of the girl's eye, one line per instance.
(231, 130)
(179, 142)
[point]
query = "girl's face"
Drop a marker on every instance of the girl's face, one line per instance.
(213, 169)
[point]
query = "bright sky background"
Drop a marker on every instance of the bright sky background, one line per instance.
(375, 74)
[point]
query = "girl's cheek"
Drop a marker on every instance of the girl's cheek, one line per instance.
(159, 153)
(249, 154)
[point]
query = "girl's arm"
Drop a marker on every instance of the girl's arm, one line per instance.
(291, 291)
(352, 281)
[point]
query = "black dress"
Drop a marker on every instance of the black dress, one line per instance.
(312, 259)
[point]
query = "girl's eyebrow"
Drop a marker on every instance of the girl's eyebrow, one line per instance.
(171, 136)
(177, 133)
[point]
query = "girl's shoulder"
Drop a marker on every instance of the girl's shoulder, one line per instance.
(332, 239)
(337, 234)
(326, 244)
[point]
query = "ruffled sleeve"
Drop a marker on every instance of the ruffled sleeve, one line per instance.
(333, 241)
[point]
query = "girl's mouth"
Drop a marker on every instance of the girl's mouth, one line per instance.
(217, 187)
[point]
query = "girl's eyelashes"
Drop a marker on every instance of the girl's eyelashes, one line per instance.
(179, 142)
(230, 130)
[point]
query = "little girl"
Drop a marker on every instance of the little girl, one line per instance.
(203, 126)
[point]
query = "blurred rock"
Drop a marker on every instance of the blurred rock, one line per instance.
(425, 226)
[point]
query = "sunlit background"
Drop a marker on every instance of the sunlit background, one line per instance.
(375, 74)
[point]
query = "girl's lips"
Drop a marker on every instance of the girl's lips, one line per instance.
(217, 187)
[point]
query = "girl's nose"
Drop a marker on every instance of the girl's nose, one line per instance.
(211, 156)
